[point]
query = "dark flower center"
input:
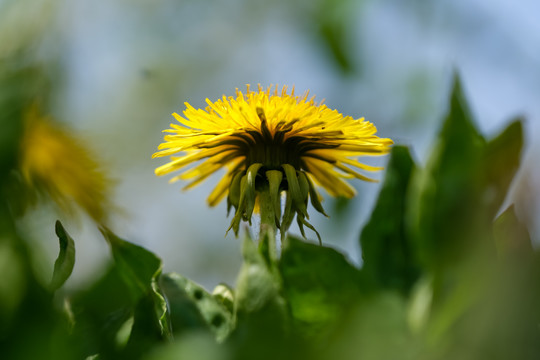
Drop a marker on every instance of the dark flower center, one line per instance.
(272, 151)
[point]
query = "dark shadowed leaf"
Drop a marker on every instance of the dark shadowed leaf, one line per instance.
(140, 270)
(387, 250)
(100, 313)
(124, 311)
(138, 266)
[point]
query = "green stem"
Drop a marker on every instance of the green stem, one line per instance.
(268, 230)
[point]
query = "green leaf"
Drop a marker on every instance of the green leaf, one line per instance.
(319, 285)
(501, 162)
(146, 330)
(140, 270)
(194, 345)
(447, 216)
(138, 266)
(124, 312)
(375, 328)
(101, 313)
(387, 250)
(512, 237)
(63, 266)
(192, 307)
(453, 201)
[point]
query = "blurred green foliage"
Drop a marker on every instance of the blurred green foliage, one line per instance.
(444, 277)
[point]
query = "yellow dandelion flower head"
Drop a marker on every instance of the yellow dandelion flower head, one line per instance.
(270, 138)
(53, 162)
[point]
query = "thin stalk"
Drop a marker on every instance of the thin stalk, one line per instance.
(268, 230)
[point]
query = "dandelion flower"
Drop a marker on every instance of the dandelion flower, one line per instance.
(270, 142)
(55, 163)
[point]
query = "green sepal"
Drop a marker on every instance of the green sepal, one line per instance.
(250, 193)
(294, 189)
(274, 180)
(314, 198)
(233, 199)
(288, 216)
(301, 220)
(304, 186)
(235, 222)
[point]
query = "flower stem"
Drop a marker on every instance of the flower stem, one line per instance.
(268, 231)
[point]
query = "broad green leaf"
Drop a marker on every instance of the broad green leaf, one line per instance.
(147, 329)
(447, 215)
(501, 162)
(387, 250)
(453, 201)
(512, 237)
(63, 266)
(375, 328)
(319, 284)
(140, 270)
(492, 311)
(101, 313)
(138, 266)
(184, 313)
(127, 294)
(193, 345)
(192, 307)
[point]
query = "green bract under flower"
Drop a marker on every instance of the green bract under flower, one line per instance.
(274, 142)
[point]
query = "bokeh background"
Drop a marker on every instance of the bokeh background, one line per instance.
(119, 68)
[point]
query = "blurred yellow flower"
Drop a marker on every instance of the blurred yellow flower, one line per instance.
(270, 139)
(52, 161)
